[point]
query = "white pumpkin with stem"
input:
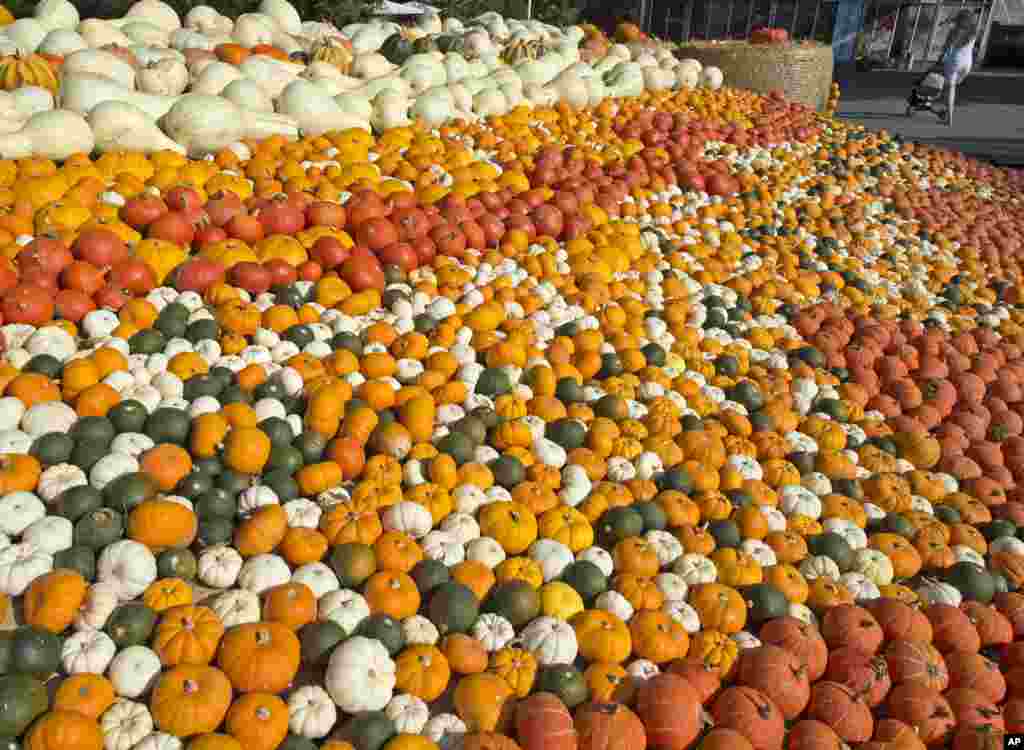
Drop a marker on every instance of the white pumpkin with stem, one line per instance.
(125, 724)
(551, 641)
(128, 565)
(206, 124)
(345, 607)
(133, 671)
(311, 712)
(88, 651)
(100, 601)
(360, 675)
(237, 607)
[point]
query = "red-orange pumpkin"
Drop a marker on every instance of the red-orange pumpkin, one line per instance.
(544, 723)
(752, 714)
(801, 639)
(609, 726)
(671, 711)
(841, 709)
(778, 674)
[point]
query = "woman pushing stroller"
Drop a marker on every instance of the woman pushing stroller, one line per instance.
(957, 57)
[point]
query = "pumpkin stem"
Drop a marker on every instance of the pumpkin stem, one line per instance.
(190, 686)
(262, 713)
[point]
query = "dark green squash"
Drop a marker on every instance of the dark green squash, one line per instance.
(429, 574)
(973, 582)
(588, 580)
(832, 545)
(764, 602)
(565, 681)
(78, 558)
(75, 502)
(396, 50)
(655, 518)
(568, 433)
(353, 563)
(367, 731)
(385, 629)
(99, 528)
(131, 624)
(34, 651)
(168, 425)
(515, 600)
(508, 471)
(617, 524)
(128, 490)
(128, 416)
(53, 448)
(177, 563)
(22, 699)
(318, 640)
(453, 608)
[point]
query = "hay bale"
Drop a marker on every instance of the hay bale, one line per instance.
(801, 70)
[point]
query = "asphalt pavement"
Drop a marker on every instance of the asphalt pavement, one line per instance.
(988, 121)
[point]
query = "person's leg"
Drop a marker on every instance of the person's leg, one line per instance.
(950, 98)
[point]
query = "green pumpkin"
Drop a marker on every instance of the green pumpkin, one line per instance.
(586, 578)
(453, 608)
(128, 490)
(99, 528)
(458, 445)
(75, 502)
(168, 425)
(128, 416)
(450, 43)
(764, 602)
(214, 531)
(725, 532)
(570, 434)
(973, 582)
(515, 600)
(429, 574)
(78, 558)
(33, 651)
(295, 742)
(508, 471)
(22, 699)
(370, 730)
(93, 429)
(833, 545)
(216, 503)
(53, 448)
(655, 518)
(310, 446)
(396, 49)
(177, 563)
(131, 624)
(318, 640)
(565, 681)
(385, 629)
(617, 524)
(353, 563)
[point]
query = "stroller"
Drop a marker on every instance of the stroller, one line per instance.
(924, 94)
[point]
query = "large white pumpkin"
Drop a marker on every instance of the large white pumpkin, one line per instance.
(360, 675)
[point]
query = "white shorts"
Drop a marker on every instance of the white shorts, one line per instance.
(958, 63)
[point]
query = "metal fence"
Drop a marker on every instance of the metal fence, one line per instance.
(912, 34)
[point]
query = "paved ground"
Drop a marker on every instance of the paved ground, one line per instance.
(988, 121)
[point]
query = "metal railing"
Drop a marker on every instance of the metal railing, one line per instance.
(687, 20)
(916, 37)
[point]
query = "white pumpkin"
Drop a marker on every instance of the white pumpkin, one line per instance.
(110, 467)
(668, 548)
(551, 641)
(51, 340)
(802, 613)
(762, 553)
(159, 741)
(263, 572)
(684, 614)
(854, 535)
(11, 412)
(695, 569)
(51, 534)
(345, 607)
(462, 526)
(642, 670)
(874, 565)
(553, 557)
(49, 416)
(20, 564)
(616, 603)
(133, 671)
(442, 546)
(485, 550)
(129, 565)
(409, 713)
(797, 500)
(318, 576)
(858, 584)
(302, 513)
(311, 712)
(409, 518)
(100, 601)
(1010, 544)
(672, 586)
(218, 566)
(419, 630)
(819, 566)
(132, 443)
(360, 675)
(58, 478)
(445, 730)
(15, 441)
(252, 499)
(493, 631)
(87, 651)
(125, 724)
(237, 607)
(932, 591)
(745, 639)
(18, 511)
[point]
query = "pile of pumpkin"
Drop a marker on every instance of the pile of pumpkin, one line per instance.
(692, 419)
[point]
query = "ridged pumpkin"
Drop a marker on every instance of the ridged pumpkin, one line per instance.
(52, 601)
